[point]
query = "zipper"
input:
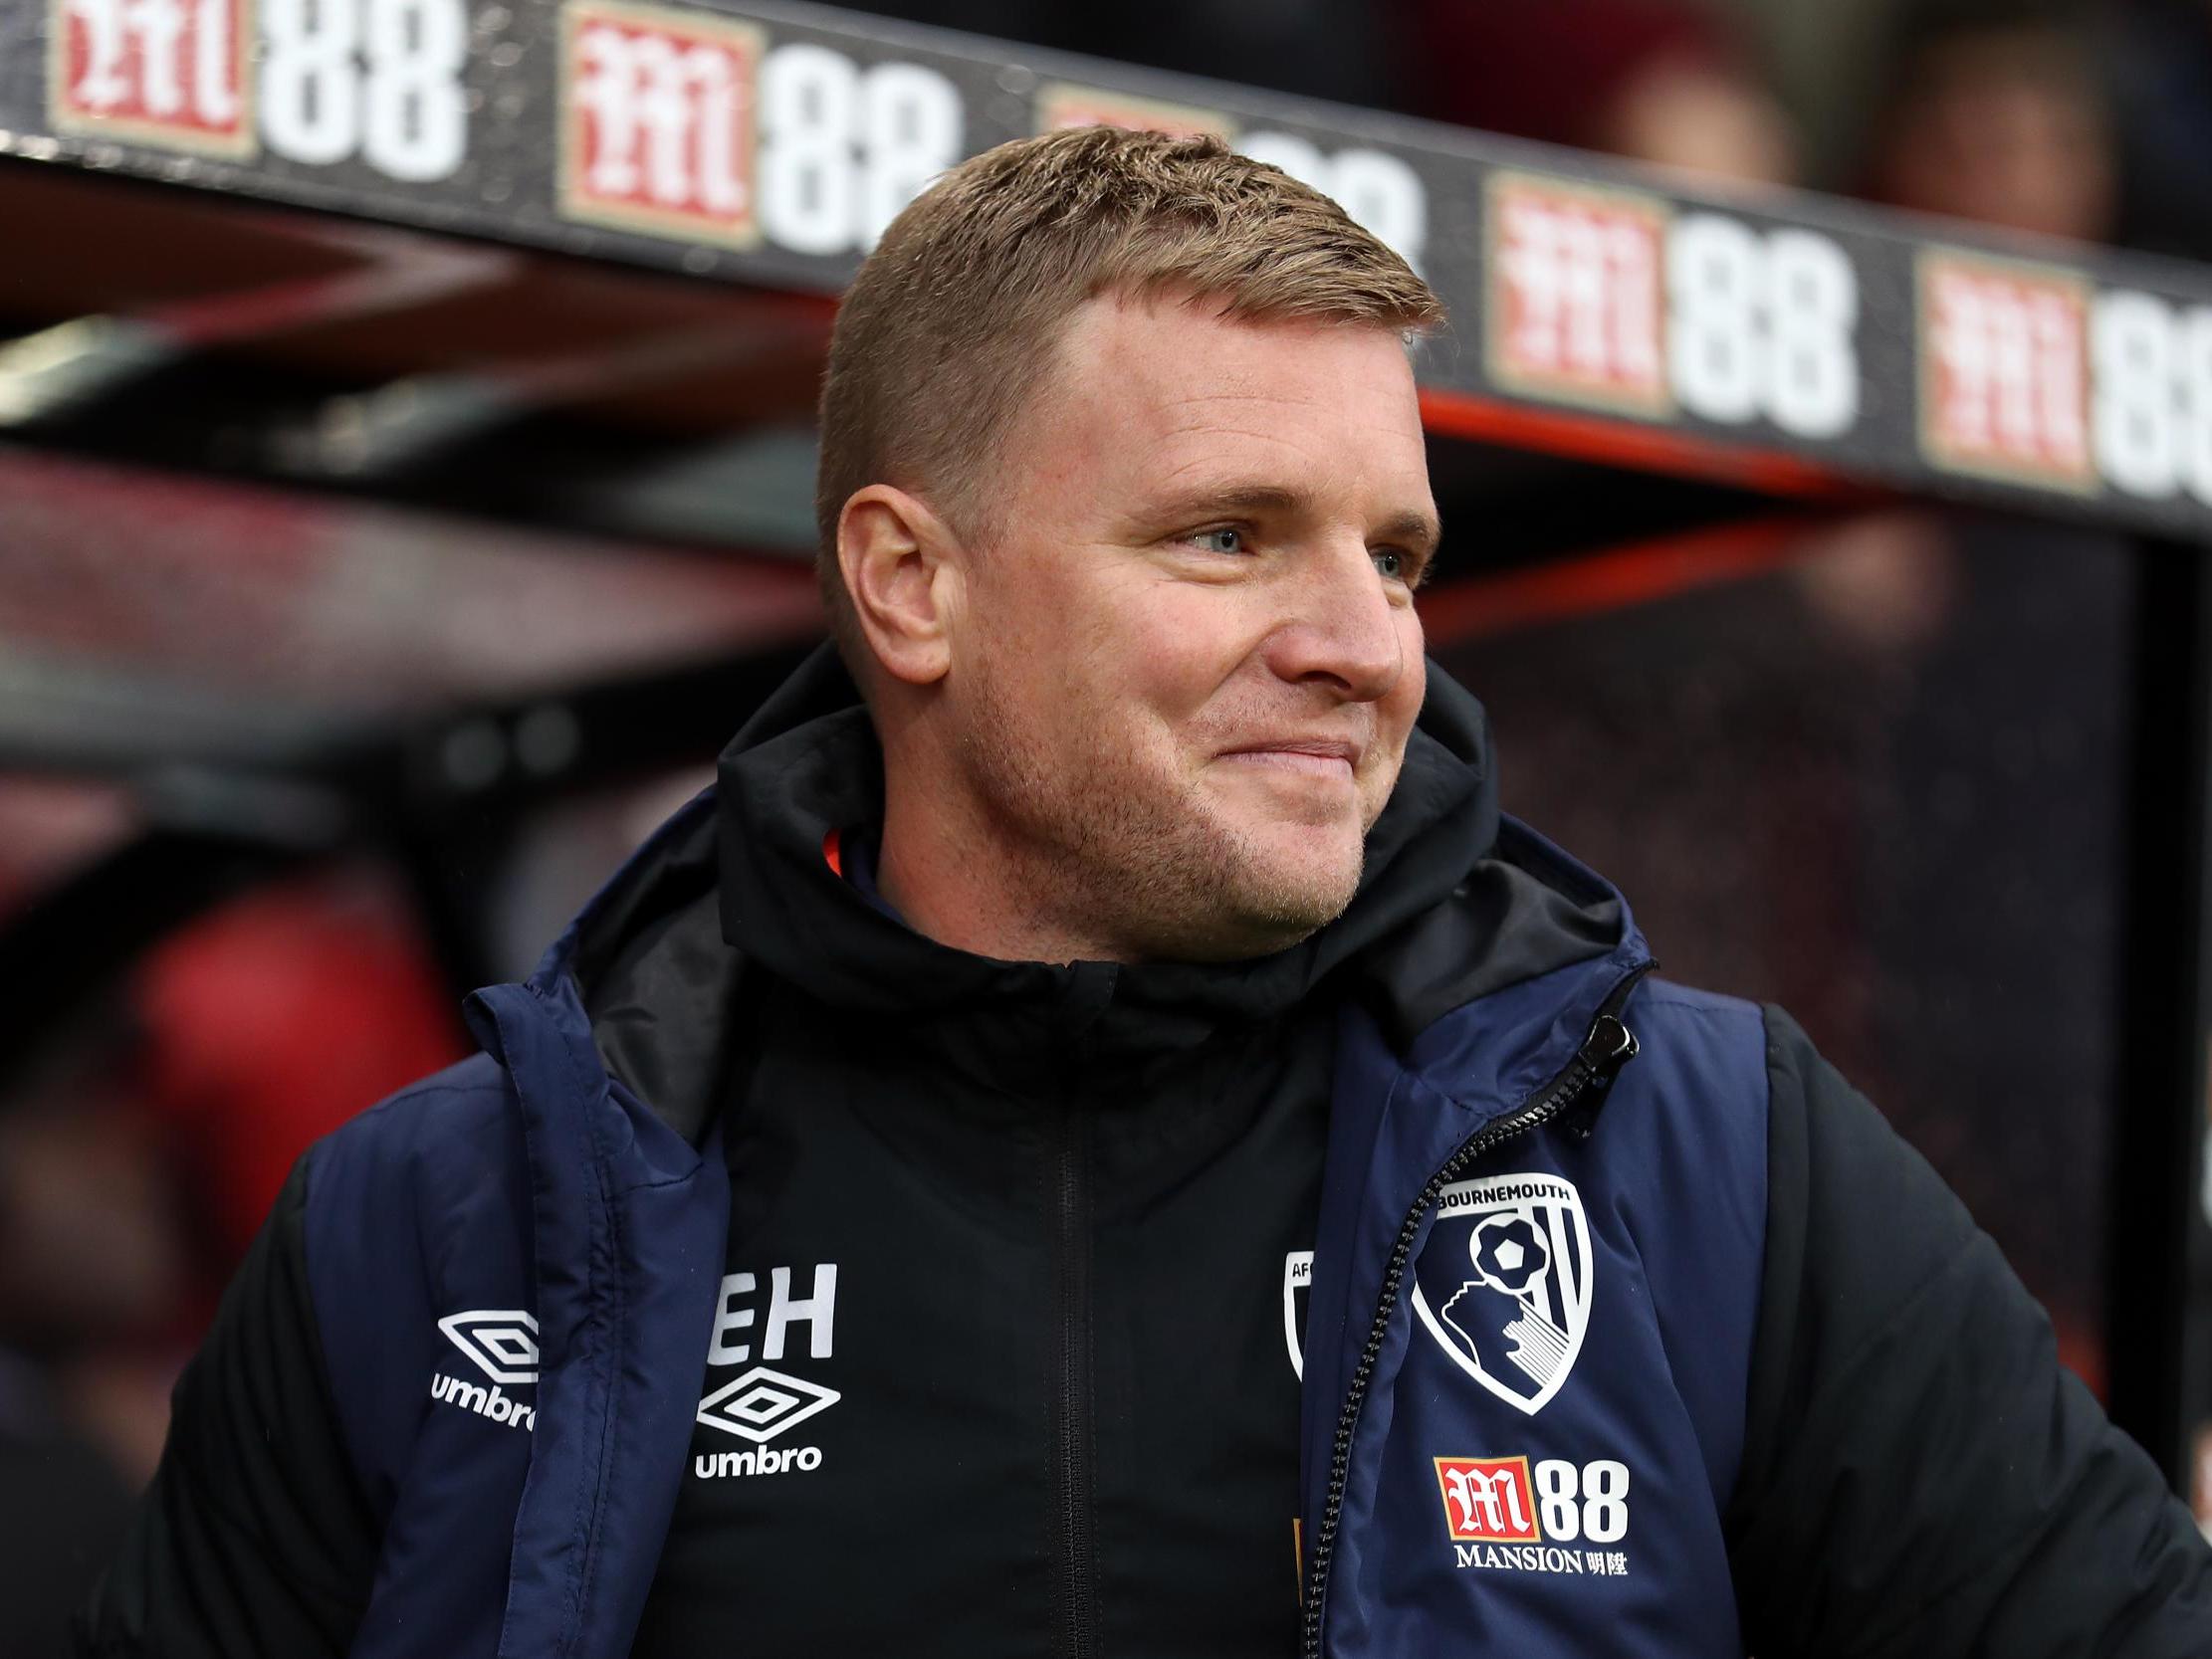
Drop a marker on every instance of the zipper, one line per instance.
(1072, 1460)
(1609, 1045)
(1073, 1544)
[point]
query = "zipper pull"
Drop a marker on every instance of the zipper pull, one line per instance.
(1609, 1046)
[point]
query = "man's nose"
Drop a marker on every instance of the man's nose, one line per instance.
(1341, 624)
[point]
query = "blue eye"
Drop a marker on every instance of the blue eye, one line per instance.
(1226, 539)
(1391, 563)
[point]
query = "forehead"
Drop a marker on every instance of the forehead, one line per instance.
(1153, 390)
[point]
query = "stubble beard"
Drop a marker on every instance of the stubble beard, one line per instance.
(1107, 852)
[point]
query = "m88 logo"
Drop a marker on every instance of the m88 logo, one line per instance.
(1495, 1500)
(691, 126)
(377, 79)
(2034, 373)
(1610, 298)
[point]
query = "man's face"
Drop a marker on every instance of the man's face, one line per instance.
(1189, 661)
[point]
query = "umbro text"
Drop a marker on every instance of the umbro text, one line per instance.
(485, 1402)
(767, 1460)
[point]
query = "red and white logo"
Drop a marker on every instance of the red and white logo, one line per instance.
(1576, 300)
(1488, 1499)
(166, 72)
(2004, 369)
(658, 121)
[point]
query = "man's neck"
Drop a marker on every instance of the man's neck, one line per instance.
(956, 881)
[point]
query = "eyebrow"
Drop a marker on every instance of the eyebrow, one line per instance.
(1422, 530)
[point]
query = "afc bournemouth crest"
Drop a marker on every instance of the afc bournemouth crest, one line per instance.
(1297, 1290)
(1503, 1283)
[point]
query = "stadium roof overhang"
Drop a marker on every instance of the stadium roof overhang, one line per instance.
(1771, 343)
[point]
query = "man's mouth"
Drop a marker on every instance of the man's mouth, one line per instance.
(1320, 757)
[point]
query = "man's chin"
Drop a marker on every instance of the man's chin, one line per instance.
(1276, 902)
(1312, 866)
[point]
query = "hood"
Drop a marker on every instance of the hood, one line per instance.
(1454, 901)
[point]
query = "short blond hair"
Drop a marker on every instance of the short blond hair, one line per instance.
(950, 324)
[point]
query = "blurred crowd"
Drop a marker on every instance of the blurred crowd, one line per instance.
(140, 1141)
(2086, 118)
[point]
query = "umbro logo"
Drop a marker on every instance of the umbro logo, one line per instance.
(502, 1343)
(762, 1404)
(758, 1406)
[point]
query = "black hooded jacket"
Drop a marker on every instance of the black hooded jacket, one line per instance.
(1058, 1200)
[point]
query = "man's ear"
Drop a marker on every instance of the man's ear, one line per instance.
(906, 572)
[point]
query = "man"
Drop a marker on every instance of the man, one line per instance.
(1091, 1141)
